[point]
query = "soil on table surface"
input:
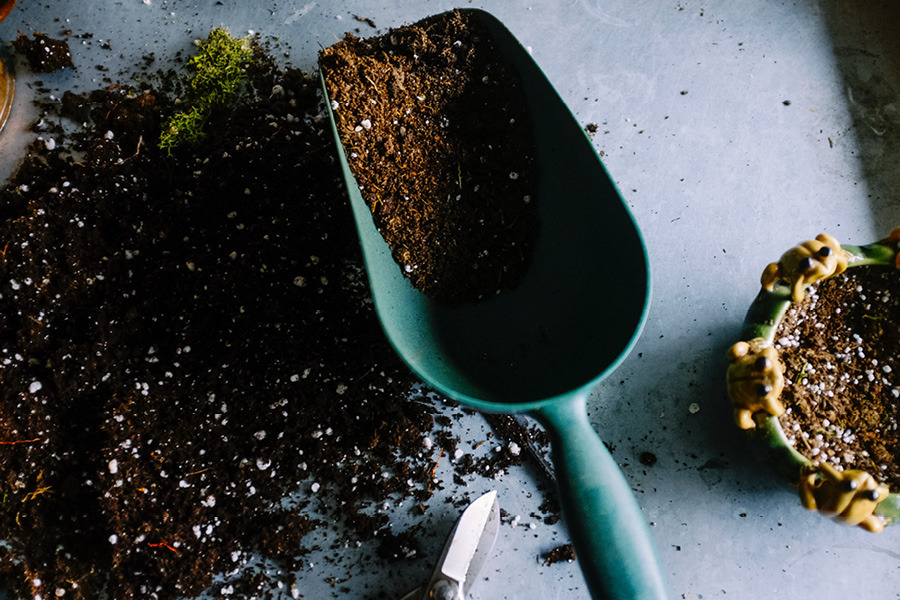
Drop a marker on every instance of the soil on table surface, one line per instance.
(187, 340)
(44, 54)
(563, 553)
(436, 132)
(842, 372)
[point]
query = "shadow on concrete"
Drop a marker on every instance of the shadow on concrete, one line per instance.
(866, 39)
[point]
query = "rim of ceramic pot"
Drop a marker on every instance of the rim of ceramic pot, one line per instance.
(7, 92)
(7, 81)
(765, 314)
(5, 7)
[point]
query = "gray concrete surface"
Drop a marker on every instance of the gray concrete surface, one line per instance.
(734, 130)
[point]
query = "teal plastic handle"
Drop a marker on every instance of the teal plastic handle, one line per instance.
(611, 538)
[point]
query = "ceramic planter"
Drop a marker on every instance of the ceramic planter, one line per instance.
(755, 382)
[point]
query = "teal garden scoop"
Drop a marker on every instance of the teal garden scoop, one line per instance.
(540, 348)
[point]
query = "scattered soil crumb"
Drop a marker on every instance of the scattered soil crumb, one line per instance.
(365, 20)
(648, 459)
(563, 553)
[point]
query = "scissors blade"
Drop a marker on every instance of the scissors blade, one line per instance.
(485, 544)
(471, 541)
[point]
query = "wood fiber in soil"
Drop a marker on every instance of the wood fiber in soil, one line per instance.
(438, 137)
(839, 347)
(185, 341)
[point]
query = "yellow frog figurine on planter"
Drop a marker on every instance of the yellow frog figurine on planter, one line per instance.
(754, 381)
(807, 263)
(894, 238)
(848, 497)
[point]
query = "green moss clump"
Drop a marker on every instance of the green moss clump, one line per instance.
(219, 71)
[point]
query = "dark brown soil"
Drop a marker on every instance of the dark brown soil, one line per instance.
(524, 440)
(44, 54)
(839, 347)
(186, 341)
(438, 138)
(563, 553)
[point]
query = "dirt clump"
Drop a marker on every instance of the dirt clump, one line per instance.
(43, 53)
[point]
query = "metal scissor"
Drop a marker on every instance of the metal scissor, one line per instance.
(465, 552)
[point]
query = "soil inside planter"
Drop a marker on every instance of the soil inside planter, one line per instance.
(842, 372)
(186, 341)
(438, 137)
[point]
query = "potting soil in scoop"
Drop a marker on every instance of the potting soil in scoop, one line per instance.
(436, 133)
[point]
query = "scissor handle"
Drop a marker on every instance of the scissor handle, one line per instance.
(445, 589)
(440, 588)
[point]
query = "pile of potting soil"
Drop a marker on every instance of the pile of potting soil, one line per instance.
(186, 340)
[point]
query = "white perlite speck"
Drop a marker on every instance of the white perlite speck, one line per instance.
(113, 466)
(35, 387)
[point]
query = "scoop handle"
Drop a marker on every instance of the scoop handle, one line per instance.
(611, 539)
